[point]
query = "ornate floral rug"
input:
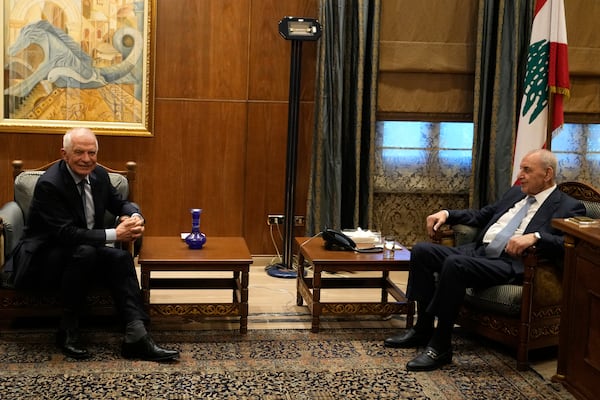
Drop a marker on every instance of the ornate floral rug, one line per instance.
(264, 364)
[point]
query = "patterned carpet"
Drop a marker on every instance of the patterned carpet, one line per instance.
(264, 364)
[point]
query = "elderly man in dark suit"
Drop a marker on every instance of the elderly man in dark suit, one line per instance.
(494, 258)
(65, 245)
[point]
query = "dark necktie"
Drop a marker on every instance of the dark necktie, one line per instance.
(498, 243)
(88, 202)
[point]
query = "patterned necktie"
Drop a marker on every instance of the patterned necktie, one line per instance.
(87, 201)
(498, 243)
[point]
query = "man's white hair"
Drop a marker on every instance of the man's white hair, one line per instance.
(68, 137)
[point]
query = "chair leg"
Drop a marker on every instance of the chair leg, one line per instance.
(523, 346)
(522, 358)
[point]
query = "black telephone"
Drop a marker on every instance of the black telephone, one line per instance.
(336, 240)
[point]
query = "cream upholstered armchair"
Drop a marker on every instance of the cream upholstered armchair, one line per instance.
(524, 316)
(24, 303)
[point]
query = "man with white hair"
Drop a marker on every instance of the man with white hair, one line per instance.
(64, 246)
(519, 220)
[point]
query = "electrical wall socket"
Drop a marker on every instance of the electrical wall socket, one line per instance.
(278, 219)
(275, 219)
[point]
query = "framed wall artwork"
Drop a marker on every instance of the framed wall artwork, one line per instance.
(74, 63)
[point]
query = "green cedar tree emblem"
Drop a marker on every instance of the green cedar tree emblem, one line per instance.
(536, 79)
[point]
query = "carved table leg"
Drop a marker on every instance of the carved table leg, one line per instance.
(244, 303)
(316, 294)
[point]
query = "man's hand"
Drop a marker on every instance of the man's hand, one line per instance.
(517, 245)
(130, 228)
(434, 221)
(137, 216)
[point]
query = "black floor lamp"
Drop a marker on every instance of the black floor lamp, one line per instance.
(297, 30)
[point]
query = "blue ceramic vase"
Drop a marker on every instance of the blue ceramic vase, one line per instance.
(196, 239)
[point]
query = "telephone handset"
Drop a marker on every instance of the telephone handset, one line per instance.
(336, 240)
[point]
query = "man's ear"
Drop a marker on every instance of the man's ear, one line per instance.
(549, 174)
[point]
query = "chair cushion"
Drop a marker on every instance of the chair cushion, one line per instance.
(24, 187)
(592, 209)
(120, 183)
(464, 234)
(13, 225)
(504, 299)
(548, 285)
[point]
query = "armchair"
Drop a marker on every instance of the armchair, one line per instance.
(27, 303)
(525, 316)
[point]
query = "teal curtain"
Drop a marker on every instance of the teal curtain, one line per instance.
(503, 37)
(340, 189)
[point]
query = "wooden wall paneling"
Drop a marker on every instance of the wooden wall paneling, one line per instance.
(266, 170)
(269, 74)
(115, 151)
(202, 49)
(270, 54)
(35, 150)
(197, 159)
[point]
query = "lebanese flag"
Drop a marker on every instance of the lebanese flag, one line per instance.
(547, 75)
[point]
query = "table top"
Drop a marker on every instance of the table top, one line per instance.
(590, 234)
(314, 250)
(173, 250)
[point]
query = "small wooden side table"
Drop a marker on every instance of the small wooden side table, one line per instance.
(578, 364)
(309, 289)
(218, 254)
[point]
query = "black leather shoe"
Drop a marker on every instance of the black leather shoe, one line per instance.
(67, 340)
(410, 338)
(146, 349)
(430, 359)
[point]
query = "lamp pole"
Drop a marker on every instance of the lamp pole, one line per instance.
(297, 30)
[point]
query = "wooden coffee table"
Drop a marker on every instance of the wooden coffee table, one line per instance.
(218, 254)
(309, 289)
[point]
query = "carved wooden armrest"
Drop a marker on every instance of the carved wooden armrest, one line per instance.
(444, 235)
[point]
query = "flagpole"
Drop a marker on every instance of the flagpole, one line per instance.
(550, 120)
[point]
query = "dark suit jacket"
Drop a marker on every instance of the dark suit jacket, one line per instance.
(57, 217)
(557, 205)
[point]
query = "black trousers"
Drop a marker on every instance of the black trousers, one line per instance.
(76, 269)
(439, 276)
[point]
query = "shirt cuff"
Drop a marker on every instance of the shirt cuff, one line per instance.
(140, 216)
(111, 235)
